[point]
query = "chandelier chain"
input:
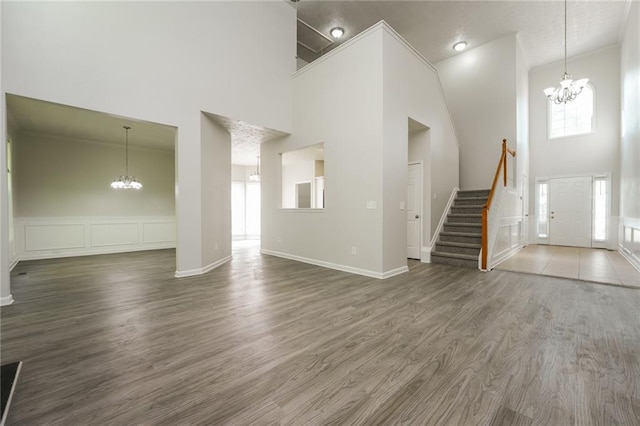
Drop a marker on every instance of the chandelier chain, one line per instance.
(126, 150)
(565, 36)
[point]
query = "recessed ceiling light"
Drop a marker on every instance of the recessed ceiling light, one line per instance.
(460, 46)
(336, 32)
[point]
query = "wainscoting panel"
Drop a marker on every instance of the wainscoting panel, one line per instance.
(44, 238)
(39, 237)
(509, 241)
(629, 240)
(114, 234)
(160, 232)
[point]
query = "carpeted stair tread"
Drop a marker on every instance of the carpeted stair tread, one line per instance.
(456, 244)
(461, 234)
(464, 215)
(471, 224)
(456, 256)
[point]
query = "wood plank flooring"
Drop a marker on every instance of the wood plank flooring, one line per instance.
(116, 339)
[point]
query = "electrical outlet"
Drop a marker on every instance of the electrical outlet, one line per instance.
(215, 246)
(435, 195)
(279, 240)
(402, 205)
(353, 250)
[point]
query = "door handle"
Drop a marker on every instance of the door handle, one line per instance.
(417, 216)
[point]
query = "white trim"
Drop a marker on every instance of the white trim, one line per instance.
(632, 260)
(295, 210)
(12, 264)
(6, 301)
(137, 236)
(506, 256)
(421, 180)
(633, 223)
(338, 267)
(394, 272)
(203, 270)
(443, 219)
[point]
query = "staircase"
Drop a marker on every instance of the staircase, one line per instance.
(461, 238)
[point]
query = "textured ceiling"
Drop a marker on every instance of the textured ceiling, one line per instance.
(432, 27)
(245, 139)
(33, 115)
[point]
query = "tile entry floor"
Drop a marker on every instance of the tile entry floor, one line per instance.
(597, 265)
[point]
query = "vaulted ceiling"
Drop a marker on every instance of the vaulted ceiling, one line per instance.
(432, 27)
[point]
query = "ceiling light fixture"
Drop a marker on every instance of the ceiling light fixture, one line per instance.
(568, 89)
(255, 176)
(126, 181)
(460, 46)
(336, 32)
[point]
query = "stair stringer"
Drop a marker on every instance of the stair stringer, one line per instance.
(426, 254)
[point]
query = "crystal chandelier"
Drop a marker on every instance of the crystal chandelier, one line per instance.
(255, 176)
(126, 181)
(568, 89)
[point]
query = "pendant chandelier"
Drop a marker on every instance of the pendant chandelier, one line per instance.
(126, 181)
(568, 89)
(255, 176)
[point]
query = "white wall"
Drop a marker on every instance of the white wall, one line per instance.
(59, 177)
(64, 205)
(480, 87)
(357, 100)
(338, 101)
(412, 90)
(5, 287)
(216, 195)
(112, 57)
(630, 140)
(585, 155)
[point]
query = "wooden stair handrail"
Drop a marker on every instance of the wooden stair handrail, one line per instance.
(502, 164)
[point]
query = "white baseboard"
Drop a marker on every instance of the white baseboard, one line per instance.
(336, 266)
(394, 272)
(505, 255)
(203, 270)
(7, 300)
(634, 261)
(13, 264)
(94, 252)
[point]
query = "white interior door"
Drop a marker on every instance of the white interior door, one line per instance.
(414, 211)
(570, 212)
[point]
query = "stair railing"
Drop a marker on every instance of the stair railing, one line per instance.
(502, 166)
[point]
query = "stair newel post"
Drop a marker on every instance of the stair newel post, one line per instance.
(504, 156)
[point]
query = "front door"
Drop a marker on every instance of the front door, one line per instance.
(414, 211)
(570, 212)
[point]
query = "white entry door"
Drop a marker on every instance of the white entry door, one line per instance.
(414, 211)
(570, 212)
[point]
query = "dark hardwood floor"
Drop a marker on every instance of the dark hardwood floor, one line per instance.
(116, 339)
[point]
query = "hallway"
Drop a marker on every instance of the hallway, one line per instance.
(596, 265)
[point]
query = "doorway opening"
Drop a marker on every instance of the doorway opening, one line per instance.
(418, 201)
